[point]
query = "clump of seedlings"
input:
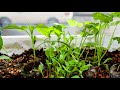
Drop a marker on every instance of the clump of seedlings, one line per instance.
(62, 58)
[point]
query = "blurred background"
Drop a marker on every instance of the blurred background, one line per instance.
(47, 18)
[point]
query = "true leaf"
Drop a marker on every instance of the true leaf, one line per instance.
(56, 30)
(44, 31)
(41, 26)
(85, 67)
(59, 26)
(83, 33)
(102, 17)
(115, 14)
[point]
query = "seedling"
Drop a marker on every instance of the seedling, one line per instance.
(64, 61)
(96, 29)
(30, 32)
(2, 46)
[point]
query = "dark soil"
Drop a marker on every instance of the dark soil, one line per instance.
(23, 65)
(101, 71)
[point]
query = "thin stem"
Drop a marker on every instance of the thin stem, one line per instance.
(81, 42)
(4, 49)
(33, 47)
(28, 33)
(82, 45)
(95, 47)
(110, 42)
(60, 42)
(86, 55)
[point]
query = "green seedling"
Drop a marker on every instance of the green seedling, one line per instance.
(30, 31)
(76, 66)
(2, 46)
(105, 63)
(96, 29)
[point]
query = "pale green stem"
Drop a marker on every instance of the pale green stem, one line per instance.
(110, 42)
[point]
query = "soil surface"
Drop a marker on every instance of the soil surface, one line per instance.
(24, 66)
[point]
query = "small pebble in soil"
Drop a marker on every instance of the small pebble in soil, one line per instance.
(114, 73)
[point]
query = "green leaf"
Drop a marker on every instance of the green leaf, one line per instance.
(6, 58)
(85, 67)
(59, 69)
(23, 27)
(54, 61)
(87, 22)
(82, 62)
(40, 68)
(11, 26)
(102, 17)
(76, 76)
(108, 59)
(44, 31)
(59, 26)
(41, 26)
(47, 62)
(117, 38)
(79, 24)
(66, 63)
(56, 30)
(53, 42)
(72, 22)
(65, 38)
(1, 42)
(115, 14)
(83, 33)
(50, 52)
(71, 37)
